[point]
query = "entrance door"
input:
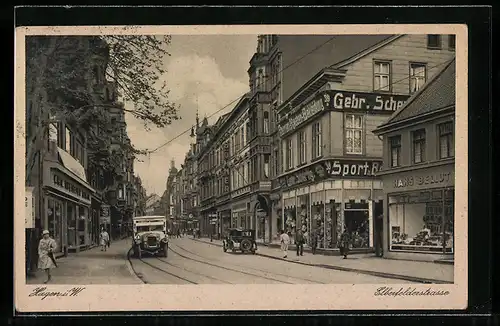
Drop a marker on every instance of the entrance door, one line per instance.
(357, 225)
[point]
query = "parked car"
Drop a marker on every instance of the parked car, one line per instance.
(239, 239)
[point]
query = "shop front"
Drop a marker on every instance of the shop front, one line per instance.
(67, 203)
(419, 215)
(329, 196)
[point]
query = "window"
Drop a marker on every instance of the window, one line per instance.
(302, 147)
(289, 153)
(317, 149)
(382, 76)
(434, 41)
(451, 42)
(353, 134)
(266, 122)
(68, 141)
(417, 76)
(266, 166)
(248, 130)
(418, 146)
(242, 134)
(395, 143)
(446, 143)
(53, 133)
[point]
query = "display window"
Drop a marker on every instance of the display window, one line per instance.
(302, 220)
(290, 222)
(356, 219)
(71, 216)
(422, 221)
(54, 220)
(83, 214)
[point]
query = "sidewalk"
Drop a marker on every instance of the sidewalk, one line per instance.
(414, 271)
(92, 266)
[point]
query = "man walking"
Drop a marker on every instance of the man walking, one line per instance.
(299, 242)
(285, 241)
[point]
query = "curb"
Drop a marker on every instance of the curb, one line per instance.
(132, 270)
(352, 270)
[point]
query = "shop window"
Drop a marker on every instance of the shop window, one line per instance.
(317, 141)
(395, 154)
(381, 76)
(451, 42)
(422, 221)
(446, 142)
(323, 225)
(417, 76)
(302, 147)
(434, 41)
(354, 134)
(418, 146)
(289, 153)
(54, 220)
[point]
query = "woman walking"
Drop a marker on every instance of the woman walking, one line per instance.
(46, 260)
(345, 241)
(104, 240)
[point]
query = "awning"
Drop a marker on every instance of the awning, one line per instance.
(73, 165)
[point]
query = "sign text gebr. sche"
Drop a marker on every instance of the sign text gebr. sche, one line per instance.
(331, 169)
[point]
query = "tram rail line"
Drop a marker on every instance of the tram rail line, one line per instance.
(141, 277)
(192, 272)
(253, 268)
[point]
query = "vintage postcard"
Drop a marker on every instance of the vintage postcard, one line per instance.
(178, 168)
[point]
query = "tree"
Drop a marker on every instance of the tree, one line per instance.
(63, 83)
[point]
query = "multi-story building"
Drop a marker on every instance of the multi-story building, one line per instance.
(419, 173)
(169, 194)
(139, 198)
(325, 157)
(225, 171)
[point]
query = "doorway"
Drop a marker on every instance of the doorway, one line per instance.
(356, 222)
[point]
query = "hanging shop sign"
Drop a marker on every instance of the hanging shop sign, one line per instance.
(29, 208)
(105, 218)
(369, 102)
(331, 169)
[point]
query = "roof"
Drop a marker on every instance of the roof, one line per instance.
(438, 93)
(349, 46)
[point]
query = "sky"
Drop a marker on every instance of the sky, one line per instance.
(208, 69)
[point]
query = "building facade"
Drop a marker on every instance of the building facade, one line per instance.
(225, 172)
(419, 173)
(326, 158)
(70, 187)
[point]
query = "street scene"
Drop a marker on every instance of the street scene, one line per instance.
(240, 159)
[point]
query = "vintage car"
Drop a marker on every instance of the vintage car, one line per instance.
(150, 235)
(240, 240)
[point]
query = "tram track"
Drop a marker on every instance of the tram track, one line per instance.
(246, 267)
(192, 272)
(141, 277)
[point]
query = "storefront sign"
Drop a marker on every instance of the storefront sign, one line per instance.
(372, 102)
(60, 182)
(29, 208)
(431, 179)
(305, 113)
(331, 168)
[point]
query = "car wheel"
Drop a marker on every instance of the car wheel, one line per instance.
(245, 245)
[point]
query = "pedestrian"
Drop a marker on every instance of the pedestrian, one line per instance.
(299, 242)
(104, 240)
(46, 260)
(178, 233)
(345, 240)
(285, 241)
(314, 241)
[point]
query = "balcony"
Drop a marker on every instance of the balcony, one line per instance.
(241, 191)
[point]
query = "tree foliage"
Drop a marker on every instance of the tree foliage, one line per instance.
(65, 82)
